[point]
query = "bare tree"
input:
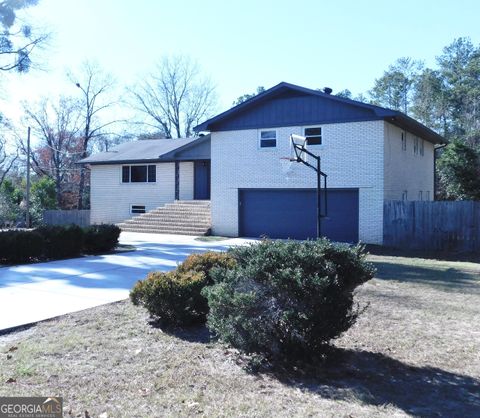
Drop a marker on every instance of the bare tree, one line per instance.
(57, 127)
(96, 87)
(6, 160)
(17, 41)
(175, 97)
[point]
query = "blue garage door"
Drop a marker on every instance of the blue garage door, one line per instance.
(292, 213)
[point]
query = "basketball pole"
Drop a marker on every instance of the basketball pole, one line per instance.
(319, 201)
(298, 150)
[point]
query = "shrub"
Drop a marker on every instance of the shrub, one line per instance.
(173, 297)
(205, 262)
(101, 238)
(286, 300)
(20, 246)
(62, 241)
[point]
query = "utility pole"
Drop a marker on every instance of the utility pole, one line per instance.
(27, 218)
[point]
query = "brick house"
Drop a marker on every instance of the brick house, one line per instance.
(371, 154)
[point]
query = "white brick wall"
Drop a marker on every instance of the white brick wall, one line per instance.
(186, 181)
(405, 170)
(352, 156)
(111, 199)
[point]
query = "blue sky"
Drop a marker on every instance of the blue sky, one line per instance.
(241, 45)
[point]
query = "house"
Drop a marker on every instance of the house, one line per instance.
(370, 154)
(137, 177)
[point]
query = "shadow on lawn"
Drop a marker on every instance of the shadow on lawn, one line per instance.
(192, 334)
(448, 279)
(473, 257)
(377, 379)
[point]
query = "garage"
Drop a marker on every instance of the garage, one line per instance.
(292, 213)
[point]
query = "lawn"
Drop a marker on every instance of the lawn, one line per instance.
(415, 351)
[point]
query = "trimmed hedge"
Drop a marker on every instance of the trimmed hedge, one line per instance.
(61, 241)
(175, 298)
(20, 246)
(101, 238)
(286, 300)
(56, 242)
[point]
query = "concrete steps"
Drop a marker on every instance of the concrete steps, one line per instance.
(184, 217)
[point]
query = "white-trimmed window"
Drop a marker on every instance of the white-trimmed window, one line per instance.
(267, 138)
(422, 147)
(404, 141)
(139, 173)
(420, 195)
(404, 195)
(415, 145)
(135, 209)
(427, 195)
(313, 135)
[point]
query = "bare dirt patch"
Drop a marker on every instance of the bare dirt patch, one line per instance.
(415, 351)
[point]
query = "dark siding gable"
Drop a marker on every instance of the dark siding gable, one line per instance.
(288, 110)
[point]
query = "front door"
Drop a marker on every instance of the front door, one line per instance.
(201, 190)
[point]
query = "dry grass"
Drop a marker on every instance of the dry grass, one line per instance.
(415, 351)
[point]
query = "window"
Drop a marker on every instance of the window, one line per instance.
(415, 145)
(420, 195)
(404, 141)
(268, 139)
(313, 135)
(126, 174)
(405, 195)
(139, 173)
(427, 195)
(137, 209)
(422, 148)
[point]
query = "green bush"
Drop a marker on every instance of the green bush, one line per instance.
(173, 297)
(205, 262)
(286, 299)
(101, 238)
(20, 246)
(61, 241)
(55, 242)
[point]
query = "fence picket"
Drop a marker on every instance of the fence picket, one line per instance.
(66, 217)
(442, 225)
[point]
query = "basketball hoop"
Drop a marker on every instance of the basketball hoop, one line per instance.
(300, 154)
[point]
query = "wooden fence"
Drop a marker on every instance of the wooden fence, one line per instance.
(443, 225)
(66, 217)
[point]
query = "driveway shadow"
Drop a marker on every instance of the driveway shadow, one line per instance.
(117, 271)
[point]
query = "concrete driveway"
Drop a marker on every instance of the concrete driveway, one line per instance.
(34, 292)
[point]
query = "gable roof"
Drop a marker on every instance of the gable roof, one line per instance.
(149, 151)
(288, 105)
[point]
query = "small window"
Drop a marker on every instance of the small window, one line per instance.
(404, 141)
(139, 173)
(422, 148)
(268, 139)
(313, 135)
(152, 173)
(427, 195)
(405, 195)
(137, 209)
(415, 145)
(126, 174)
(420, 195)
